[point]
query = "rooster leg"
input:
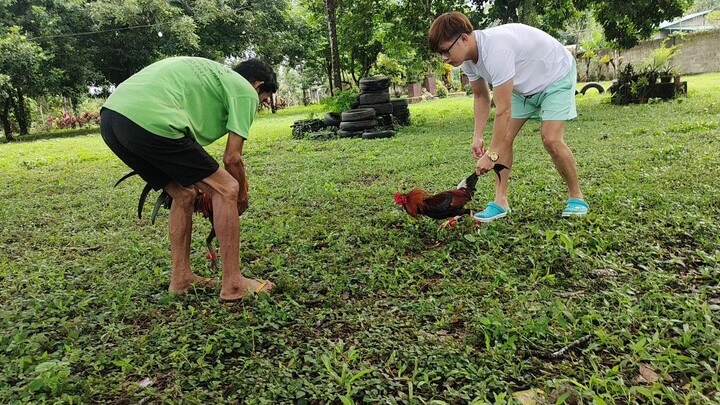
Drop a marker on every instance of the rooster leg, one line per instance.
(212, 254)
(450, 222)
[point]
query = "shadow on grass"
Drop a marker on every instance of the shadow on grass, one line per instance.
(66, 133)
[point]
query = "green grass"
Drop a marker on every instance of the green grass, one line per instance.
(370, 305)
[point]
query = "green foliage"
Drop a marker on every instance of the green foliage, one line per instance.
(372, 306)
(390, 67)
(442, 91)
(660, 60)
(639, 88)
(341, 101)
(627, 23)
(624, 23)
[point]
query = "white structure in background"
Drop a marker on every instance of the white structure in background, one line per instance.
(97, 90)
(688, 23)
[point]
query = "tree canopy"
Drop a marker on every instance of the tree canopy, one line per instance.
(76, 43)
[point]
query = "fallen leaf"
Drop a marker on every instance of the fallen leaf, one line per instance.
(533, 396)
(145, 382)
(647, 375)
(604, 273)
(568, 294)
(346, 296)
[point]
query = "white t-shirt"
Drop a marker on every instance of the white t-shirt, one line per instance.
(530, 56)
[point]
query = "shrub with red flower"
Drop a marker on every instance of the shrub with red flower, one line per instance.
(74, 121)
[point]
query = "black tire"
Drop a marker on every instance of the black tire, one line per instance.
(374, 98)
(378, 134)
(302, 127)
(357, 125)
(399, 102)
(385, 120)
(374, 83)
(332, 119)
(592, 85)
(400, 111)
(402, 120)
(358, 114)
(349, 134)
(380, 109)
(313, 121)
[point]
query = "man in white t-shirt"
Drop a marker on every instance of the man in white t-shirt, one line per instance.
(533, 76)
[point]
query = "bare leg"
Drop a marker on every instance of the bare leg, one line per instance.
(506, 158)
(223, 189)
(180, 225)
(553, 133)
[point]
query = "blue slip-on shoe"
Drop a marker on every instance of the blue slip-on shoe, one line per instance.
(575, 206)
(492, 211)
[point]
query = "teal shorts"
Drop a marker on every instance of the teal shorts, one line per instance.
(555, 103)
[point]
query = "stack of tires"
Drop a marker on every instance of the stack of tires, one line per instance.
(353, 123)
(401, 114)
(375, 94)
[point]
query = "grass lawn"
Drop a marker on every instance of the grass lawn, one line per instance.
(370, 305)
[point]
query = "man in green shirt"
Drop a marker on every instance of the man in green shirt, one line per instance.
(157, 121)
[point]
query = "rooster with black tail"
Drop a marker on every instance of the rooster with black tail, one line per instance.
(202, 206)
(448, 204)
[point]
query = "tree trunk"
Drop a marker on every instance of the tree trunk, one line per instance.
(328, 70)
(21, 114)
(6, 121)
(332, 38)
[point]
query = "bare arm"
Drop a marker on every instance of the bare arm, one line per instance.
(503, 100)
(481, 109)
(233, 162)
(503, 111)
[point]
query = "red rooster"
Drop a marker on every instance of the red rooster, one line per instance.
(202, 206)
(448, 204)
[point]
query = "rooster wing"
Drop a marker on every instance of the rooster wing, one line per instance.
(447, 204)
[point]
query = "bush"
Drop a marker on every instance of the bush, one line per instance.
(340, 102)
(441, 92)
(73, 121)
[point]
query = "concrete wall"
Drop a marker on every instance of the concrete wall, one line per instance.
(700, 52)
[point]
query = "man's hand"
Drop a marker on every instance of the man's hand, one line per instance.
(484, 165)
(478, 147)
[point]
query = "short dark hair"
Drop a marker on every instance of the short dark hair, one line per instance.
(255, 70)
(446, 28)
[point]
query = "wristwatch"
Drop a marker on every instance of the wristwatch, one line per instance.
(493, 156)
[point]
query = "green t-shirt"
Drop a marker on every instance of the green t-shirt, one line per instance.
(182, 96)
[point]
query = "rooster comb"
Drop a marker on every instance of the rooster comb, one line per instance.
(400, 199)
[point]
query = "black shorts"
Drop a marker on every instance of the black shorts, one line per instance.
(156, 159)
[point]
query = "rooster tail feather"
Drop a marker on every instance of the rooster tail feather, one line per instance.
(163, 200)
(133, 173)
(143, 197)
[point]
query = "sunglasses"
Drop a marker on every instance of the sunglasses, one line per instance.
(446, 52)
